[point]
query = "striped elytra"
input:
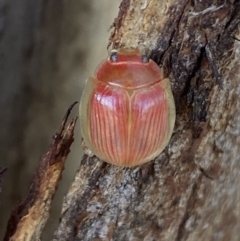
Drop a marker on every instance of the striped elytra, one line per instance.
(127, 111)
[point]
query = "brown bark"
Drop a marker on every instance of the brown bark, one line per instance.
(30, 216)
(191, 191)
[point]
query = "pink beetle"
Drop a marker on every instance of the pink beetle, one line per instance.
(127, 110)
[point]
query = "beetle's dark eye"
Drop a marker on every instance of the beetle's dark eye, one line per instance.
(145, 59)
(114, 57)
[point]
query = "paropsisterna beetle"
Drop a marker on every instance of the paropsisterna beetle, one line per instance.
(127, 110)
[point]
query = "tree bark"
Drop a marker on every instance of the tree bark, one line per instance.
(30, 215)
(191, 190)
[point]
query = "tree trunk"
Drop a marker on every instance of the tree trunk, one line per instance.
(191, 191)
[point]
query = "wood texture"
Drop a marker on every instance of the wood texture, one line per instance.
(30, 215)
(191, 191)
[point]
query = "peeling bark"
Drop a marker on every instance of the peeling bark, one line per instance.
(30, 216)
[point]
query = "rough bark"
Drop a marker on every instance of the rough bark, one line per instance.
(29, 217)
(191, 191)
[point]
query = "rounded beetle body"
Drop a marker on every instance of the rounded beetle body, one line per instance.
(127, 110)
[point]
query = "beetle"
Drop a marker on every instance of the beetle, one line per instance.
(127, 110)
